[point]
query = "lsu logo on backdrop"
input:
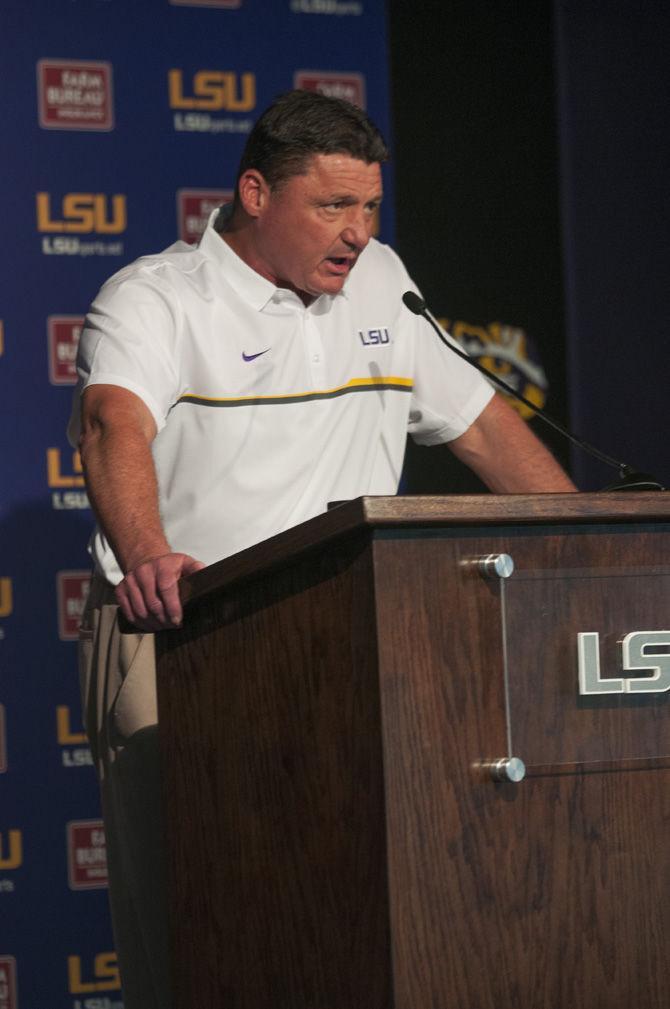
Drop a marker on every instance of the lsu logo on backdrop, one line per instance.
(8, 987)
(193, 209)
(75, 751)
(72, 591)
(63, 333)
(195, 100)
(60, 222)
(3, 740)
(349, 87)
(11, 849)
(101, 975)
(86, 855)
(66, 483)
(75, 95)
(6, 597)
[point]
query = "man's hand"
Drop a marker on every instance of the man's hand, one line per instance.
(149, 597)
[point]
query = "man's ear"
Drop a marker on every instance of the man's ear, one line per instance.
(254, 192)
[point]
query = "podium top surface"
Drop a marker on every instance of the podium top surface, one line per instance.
(430, 511)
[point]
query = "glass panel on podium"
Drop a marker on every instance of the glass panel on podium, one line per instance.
(587, 665)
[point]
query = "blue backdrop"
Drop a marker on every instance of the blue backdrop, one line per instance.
(125, 125)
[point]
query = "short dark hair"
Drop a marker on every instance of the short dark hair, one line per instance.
(300, 124)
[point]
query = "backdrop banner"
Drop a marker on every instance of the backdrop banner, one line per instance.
(124, 128)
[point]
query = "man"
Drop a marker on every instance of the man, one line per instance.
(229, 392)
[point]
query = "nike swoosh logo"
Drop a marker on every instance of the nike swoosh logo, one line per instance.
(252, 357)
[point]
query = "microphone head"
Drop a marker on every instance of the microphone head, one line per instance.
(414, 302)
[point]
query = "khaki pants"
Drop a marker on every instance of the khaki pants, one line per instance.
(118, 681)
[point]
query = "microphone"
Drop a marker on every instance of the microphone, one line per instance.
(629, 478)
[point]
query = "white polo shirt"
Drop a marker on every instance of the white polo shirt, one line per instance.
(266, 409)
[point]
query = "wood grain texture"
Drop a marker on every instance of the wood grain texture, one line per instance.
(336, 840)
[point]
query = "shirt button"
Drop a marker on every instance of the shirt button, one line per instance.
(316, 359)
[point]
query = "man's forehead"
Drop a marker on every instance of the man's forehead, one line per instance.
(342, 168)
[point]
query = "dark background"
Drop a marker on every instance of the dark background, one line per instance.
(530, 155)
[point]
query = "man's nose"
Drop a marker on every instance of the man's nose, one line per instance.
(357, 230)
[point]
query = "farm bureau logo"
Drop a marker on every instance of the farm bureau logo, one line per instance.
(207, 92)
(86, 855)
(67, 487)
(63, 333)
(350, 87)
(81, 214)
(8, 991)
(71, 590)
(193, 209)
(75, 95)
(105, 975)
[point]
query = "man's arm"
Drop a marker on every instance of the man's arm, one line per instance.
(501, 449)
(116, 434)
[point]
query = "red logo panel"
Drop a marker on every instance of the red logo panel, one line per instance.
(194, 207)
(350, 87)
(63, 334)
(8, 996)
(86, 855)
(72, 592)
(75, 95)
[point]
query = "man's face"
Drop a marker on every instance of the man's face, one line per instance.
(312, 228)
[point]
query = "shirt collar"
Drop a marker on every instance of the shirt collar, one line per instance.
(256, 290)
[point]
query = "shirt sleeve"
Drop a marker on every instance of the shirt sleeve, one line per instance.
(129, 339)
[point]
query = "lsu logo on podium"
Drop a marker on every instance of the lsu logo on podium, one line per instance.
(11, 850)
(87, 855)
(72, 592)
(101, 975)
(194, 207)
(63, 332)
(8, 986)
(349, 87)
(66, 483)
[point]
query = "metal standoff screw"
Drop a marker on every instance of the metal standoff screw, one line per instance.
(508, 769)
(496, 566)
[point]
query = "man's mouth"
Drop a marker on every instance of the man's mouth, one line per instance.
(340, 264)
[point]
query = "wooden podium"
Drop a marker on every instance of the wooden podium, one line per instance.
(338, 715)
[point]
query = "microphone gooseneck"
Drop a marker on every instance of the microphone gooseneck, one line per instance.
(629, 478)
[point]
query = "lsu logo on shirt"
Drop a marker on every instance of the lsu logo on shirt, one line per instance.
(333, 84)
(63, 332)
(87, 855)
(72, 591)
(8, 985)
(101, 975)
(75, 95)
(374, 337)
(194, 207)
